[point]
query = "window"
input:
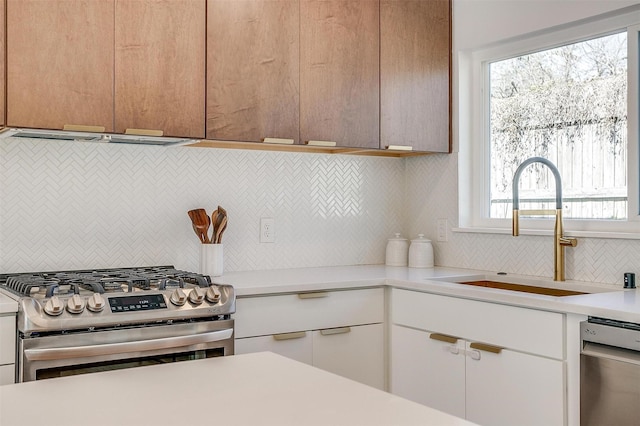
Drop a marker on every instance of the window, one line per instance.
(569, 105)
(569, 96)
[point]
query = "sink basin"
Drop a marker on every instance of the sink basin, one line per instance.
(524, 288)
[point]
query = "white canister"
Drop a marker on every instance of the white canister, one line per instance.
(421, 253)
(397, 249)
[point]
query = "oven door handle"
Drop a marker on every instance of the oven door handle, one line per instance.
(124, 347)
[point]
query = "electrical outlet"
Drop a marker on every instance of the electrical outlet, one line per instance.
(442, 230)
(267, 230)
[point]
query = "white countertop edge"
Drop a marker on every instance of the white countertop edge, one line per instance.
(252, 389)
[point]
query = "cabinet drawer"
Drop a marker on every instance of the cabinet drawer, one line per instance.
(521, 329)
(297, 346)
(353, 352)
(258, 316)
(7, 340)
(7, 374)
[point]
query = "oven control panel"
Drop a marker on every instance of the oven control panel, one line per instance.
(137, 303)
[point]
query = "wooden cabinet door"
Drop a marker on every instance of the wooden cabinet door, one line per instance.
(3, 8)
(415, 51)
(513, 388)
(339, 72)
(353, 352)
(428, 371)
(160, 66)
(252, 69)
(60, 63)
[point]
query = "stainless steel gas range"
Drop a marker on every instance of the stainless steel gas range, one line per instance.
(76, 322)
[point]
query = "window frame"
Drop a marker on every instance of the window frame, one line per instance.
(474, 128)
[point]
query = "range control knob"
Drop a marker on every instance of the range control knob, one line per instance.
(178, 297)
(75, 305)
(196, 296)
(54, 306)
(213, 294)
(95, 303)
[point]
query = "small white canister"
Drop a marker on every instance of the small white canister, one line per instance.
(397, 249)
(421, 253)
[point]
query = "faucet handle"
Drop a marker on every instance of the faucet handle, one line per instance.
(564, 241)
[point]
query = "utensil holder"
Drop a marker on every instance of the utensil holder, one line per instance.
(211, 260)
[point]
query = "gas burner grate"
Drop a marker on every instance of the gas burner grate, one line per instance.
(102, 280)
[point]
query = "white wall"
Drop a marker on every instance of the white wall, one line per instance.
(432, 182)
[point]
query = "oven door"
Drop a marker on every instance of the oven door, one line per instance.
(93, 351)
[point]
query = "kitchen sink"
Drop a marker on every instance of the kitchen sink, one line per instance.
(558, 292)
(528, 284)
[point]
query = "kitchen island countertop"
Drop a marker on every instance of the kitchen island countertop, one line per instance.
(252, 389)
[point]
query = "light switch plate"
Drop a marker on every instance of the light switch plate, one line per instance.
(443, 226)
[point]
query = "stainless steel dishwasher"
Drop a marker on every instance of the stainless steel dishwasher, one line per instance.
(609, 373)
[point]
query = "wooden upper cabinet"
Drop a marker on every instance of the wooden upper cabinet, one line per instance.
(3, 4)
(252, 69)
(414, 74)
(60, 63)
(339, 71)
(160, 66)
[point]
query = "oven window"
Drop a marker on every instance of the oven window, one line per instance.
(74, 370)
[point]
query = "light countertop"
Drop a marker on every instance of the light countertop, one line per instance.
(252, 389)
(606, 300)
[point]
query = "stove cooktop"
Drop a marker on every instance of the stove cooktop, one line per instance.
(115, 298)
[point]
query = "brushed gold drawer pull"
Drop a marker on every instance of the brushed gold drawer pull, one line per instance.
(321, 143)
(144, 132)
(313, 295)
(290, 336)
(331, 331)
(486, 348)
(443, 338)
(83, 128)
(400, 148)
(280, 141)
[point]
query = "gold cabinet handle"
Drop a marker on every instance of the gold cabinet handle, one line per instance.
(290, 336)
(83, 128)
(485, 347)
(443, 338)
(321, 143)
(331, 331)
(280, 141)
(144, 132)
(313, 295)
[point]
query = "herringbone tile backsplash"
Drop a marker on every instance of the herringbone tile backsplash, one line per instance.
(72, 205)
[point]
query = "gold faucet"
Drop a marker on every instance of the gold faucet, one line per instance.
(559, 241)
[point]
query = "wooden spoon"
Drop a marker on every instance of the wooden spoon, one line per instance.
(215, 215)
(201, 222)
(221, 229)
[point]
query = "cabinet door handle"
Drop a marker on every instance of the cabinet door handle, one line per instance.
(313, 295)
(290, 336)
(330, 331)
(280, 141)
(83, 128)
(485, 347)
(144, 132)
(443, 338)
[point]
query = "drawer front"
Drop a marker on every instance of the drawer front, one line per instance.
(297, 346)
(8, 340)
(259, 316)
(7, 374)
(521, 329)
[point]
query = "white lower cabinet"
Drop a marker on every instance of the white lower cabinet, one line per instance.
(337, 331)
(7, 349)
(450, 369)
(353, 352)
